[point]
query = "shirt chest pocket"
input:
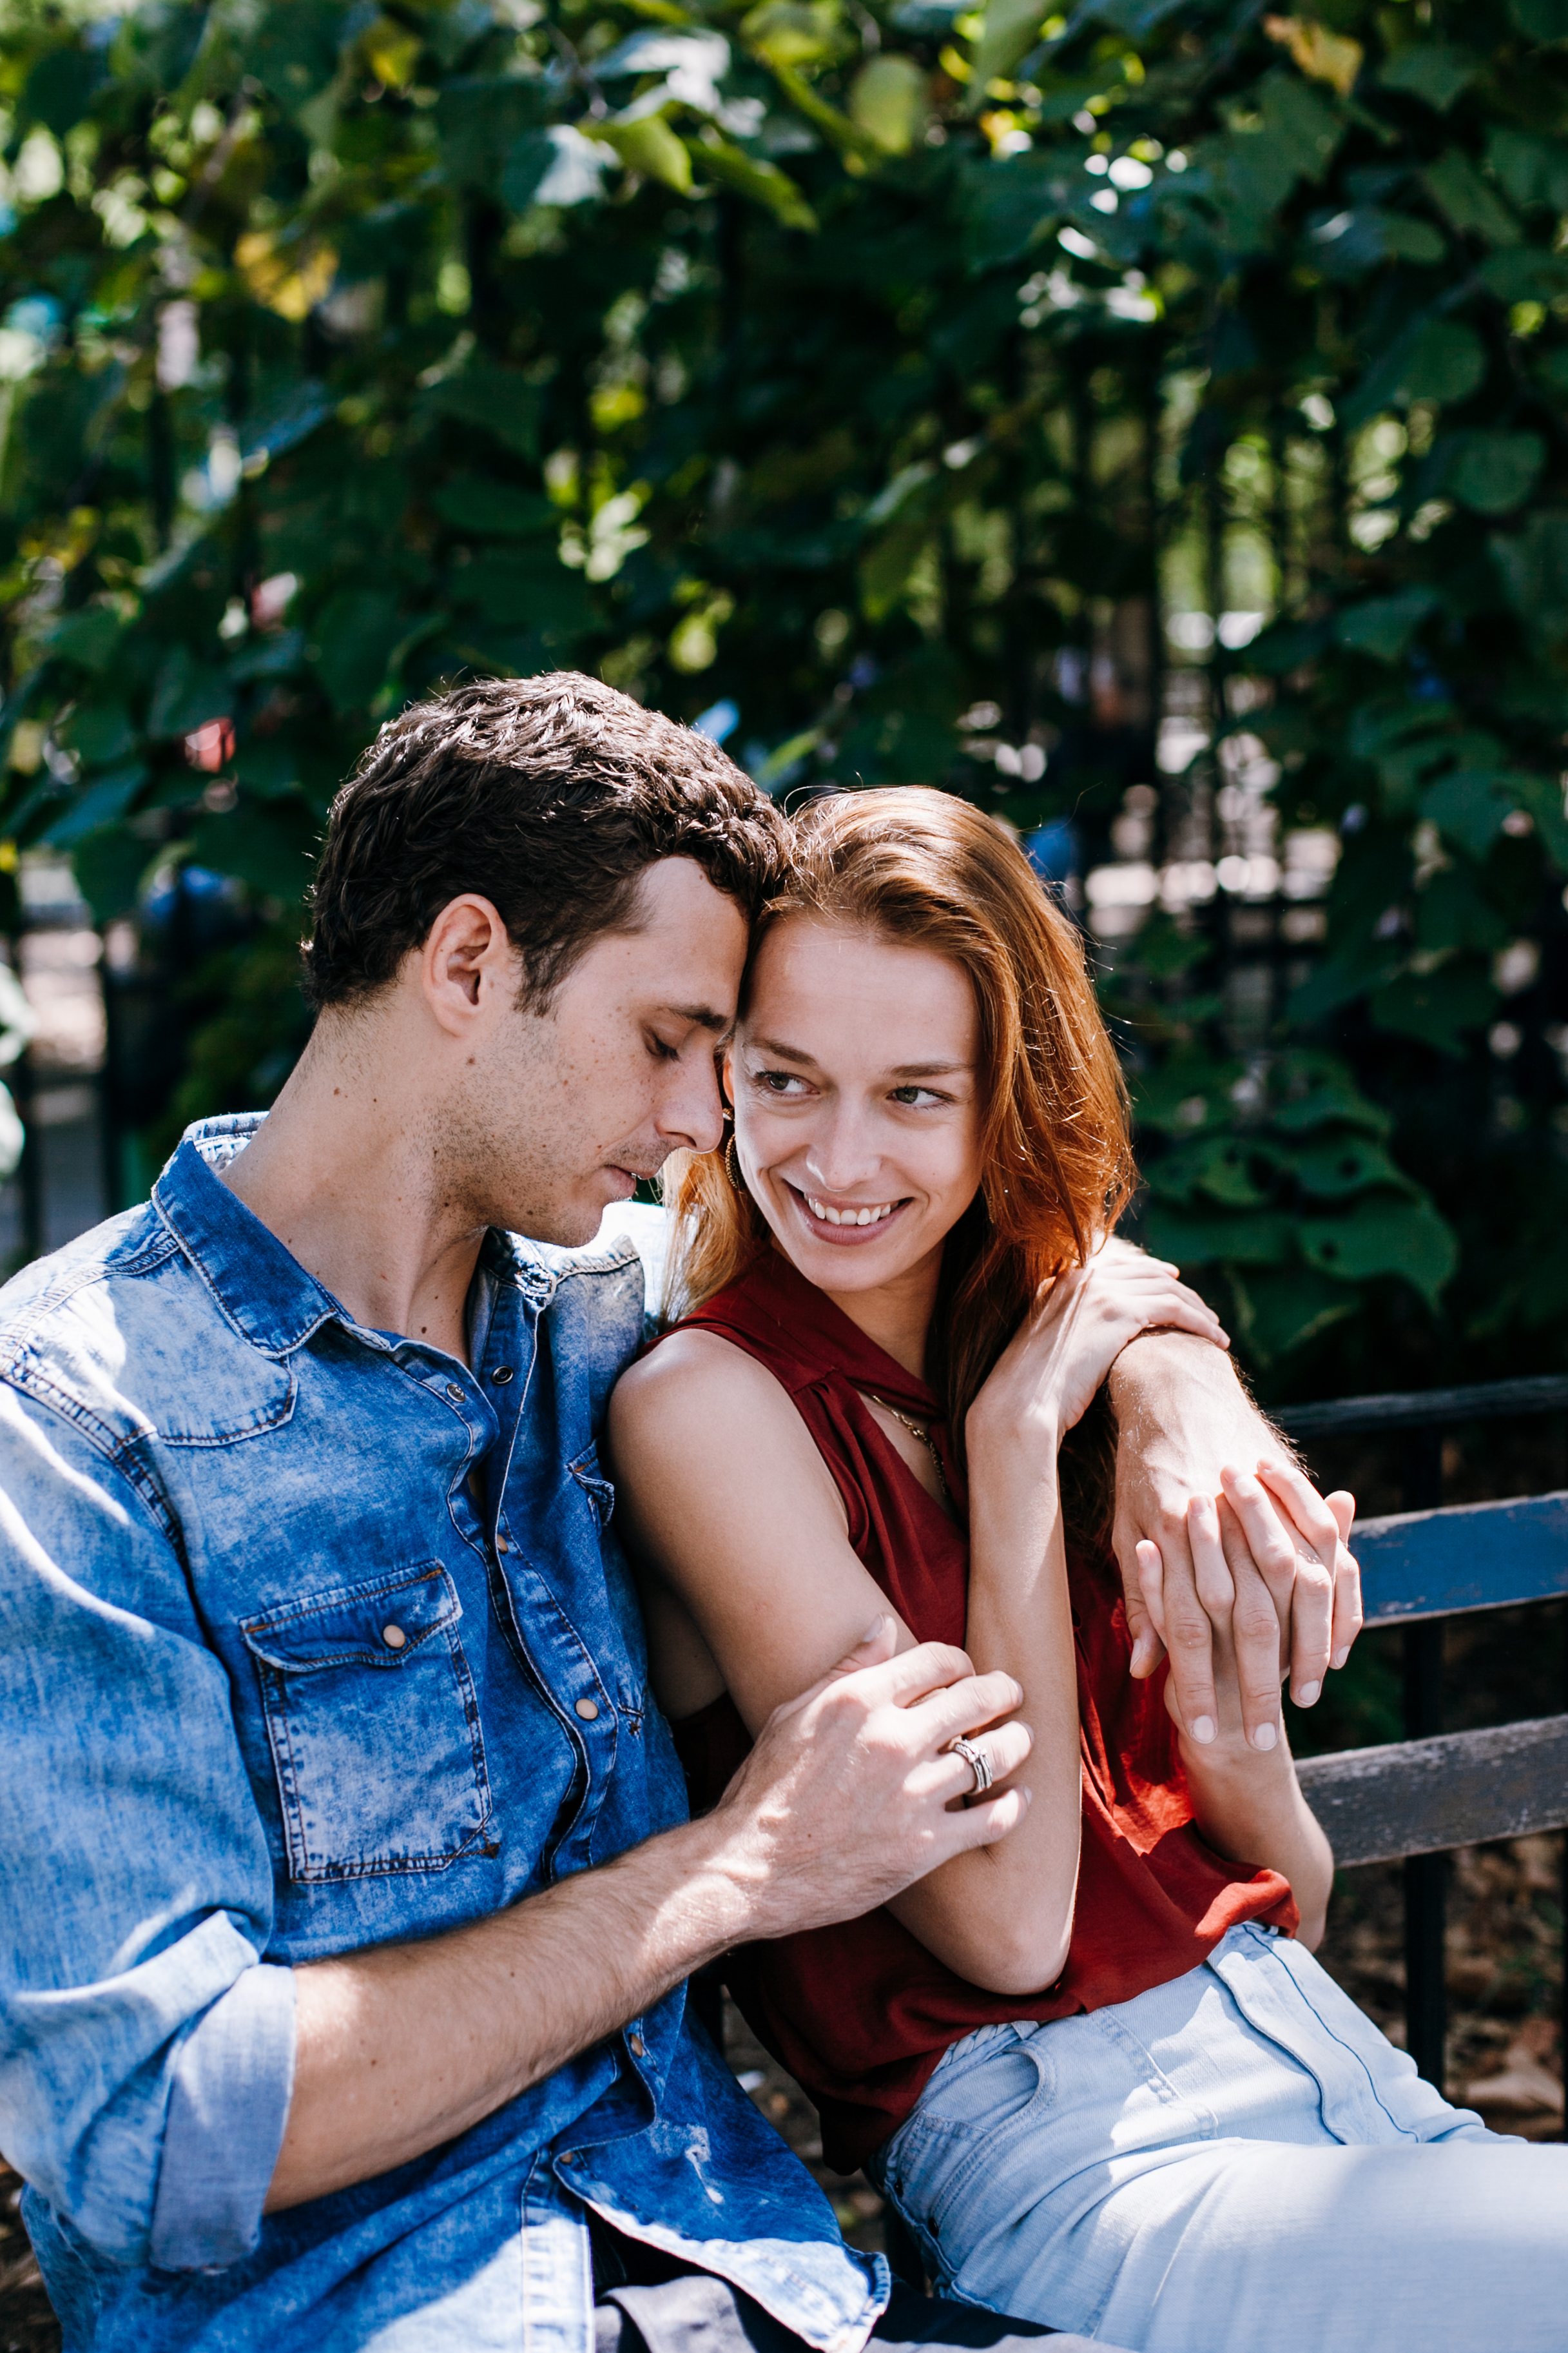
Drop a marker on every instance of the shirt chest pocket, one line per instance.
(373, 1725)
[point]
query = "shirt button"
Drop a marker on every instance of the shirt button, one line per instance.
(502, 1545)
(393, 1637)
(587, 1710)
(501, 1375)
(455, 1393)
(635, 2045)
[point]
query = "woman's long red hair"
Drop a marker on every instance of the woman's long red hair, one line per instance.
(930, 871)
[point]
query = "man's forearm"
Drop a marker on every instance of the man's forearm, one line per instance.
(402, 2047)
(836, 1810)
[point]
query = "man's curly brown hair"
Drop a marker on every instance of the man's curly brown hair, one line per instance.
(550, 796)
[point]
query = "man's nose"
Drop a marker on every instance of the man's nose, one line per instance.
(692, 1112)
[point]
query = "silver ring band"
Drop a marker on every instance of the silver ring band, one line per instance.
(978, 1763)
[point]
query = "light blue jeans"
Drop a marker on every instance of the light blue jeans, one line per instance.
(1235, 2161)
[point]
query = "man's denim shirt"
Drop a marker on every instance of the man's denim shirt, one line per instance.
(276, 1687)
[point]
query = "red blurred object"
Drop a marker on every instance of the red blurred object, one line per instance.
(211, 747)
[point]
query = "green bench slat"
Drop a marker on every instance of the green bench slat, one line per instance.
(1420, 1797)
(1465, 1556)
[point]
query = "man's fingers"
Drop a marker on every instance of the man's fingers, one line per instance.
(968, 1707)
(899, 1681)
(876, 1644)
(1256, 1634)
(1347, 1580)
(988, 1820)
(1189, 1637)
(1143, 1599)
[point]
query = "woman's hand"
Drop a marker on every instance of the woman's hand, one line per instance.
(1046, 1377)
(1240, 1553)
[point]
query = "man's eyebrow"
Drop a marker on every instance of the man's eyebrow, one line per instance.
(704, 1018)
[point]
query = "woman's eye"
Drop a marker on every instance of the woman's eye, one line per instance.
(917, 1098)
(781, 1083)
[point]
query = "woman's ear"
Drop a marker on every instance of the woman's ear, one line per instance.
(725, 1058)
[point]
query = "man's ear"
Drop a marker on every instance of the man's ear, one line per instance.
(467, 955)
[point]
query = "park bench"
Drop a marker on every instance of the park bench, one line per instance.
(1417, 1798)
(1413, 1800)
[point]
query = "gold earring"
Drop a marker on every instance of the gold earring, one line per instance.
(732, 1164)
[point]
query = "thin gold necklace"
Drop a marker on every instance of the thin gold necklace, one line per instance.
(924, 1436)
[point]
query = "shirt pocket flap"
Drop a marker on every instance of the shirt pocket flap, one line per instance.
(382, 1623)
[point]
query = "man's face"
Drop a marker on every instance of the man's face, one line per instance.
(569, 1108)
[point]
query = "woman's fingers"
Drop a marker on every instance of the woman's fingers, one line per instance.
(1301, 1587)
(952, 1777)
(1325, 1522)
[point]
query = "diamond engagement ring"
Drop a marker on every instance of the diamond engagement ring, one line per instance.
(978, 1763)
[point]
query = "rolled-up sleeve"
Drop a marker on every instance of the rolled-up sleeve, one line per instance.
(146, 2050)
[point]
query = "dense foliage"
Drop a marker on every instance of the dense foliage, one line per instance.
(1149, 419)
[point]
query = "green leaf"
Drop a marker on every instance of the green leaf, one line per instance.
(647, 144)
(271, 848)
(187, 694)
(1532, 564)
(1383, 626)
(1524, 273)
(500, 399)
(1469, 805)
(1282, 1309)
(1466, 201)
(524, 590)
(1384, 1233)
(754, 177)
(89, 637)
(494, 510)
(1307, 128)
(110, 866)
(1246, 1238)
(1335, 1168)
(1434, 70)
(794, 32)
(557, 167)
(1436, 359)
(1438, 1008)
(355, 638)
(1007, 35)
(888, 97)
(106, 800)
(1494, 472)
(1541, 20)
(1533, 171)
(100, 733)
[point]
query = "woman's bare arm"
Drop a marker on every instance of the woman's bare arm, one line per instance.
(727, 1501)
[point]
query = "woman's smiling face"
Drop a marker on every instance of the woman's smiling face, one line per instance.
(855, 1081)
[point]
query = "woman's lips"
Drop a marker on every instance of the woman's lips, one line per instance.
(845, 1235)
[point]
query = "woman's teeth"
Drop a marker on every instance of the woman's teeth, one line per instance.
(849, 1217)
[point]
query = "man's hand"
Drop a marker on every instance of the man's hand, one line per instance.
(849, 1795)
(1185, 1427)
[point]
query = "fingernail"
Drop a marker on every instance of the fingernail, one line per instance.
(1203, 1730)
(1308, 1694)
(1340, 1656)
(872, 1631)
(1264, 1736)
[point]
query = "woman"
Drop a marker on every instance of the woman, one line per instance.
(1093, 2066)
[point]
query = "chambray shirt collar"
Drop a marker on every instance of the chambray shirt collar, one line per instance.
(259, 1285)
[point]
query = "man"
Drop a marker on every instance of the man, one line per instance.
(349, 1896)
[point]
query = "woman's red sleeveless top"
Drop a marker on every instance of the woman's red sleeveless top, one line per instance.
(861, 2013)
